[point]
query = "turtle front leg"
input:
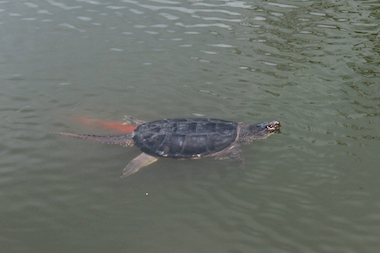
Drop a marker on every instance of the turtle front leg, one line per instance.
(232, 152)
(140, 161)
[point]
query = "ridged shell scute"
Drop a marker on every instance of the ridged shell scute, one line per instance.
(185, 138)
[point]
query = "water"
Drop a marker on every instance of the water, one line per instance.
(313, 65)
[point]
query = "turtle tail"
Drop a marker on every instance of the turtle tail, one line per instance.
(123, 140)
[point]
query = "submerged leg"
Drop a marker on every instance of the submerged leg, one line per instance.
(128, 120)
(232, 152)
(114, 125)
(137, 163)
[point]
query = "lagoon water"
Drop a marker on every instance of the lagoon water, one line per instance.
(312, 65)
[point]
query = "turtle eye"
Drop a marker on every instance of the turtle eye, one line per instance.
(271, 127)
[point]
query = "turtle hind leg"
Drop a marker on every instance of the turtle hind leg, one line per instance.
(114, 125)
(140, 161)
(128, 120)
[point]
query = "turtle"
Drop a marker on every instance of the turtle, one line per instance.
(187, 138)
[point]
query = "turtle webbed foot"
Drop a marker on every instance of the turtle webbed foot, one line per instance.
(140, 161)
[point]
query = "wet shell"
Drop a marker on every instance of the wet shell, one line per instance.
(185, 138)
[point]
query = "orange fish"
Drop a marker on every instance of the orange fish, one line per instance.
(114, 125)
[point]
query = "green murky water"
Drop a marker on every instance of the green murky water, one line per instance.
(313, 66)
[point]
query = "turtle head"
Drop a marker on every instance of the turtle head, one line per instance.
(263, 130)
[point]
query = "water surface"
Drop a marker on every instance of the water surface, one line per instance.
(313, 66)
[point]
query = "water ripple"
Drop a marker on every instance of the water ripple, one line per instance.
(312, 65)
(62, 5)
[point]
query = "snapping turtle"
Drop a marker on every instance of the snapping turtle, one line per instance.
(185, 138)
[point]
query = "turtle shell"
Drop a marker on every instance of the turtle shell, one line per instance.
(185, 138)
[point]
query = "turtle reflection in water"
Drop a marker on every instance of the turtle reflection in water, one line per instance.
(185, 139)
